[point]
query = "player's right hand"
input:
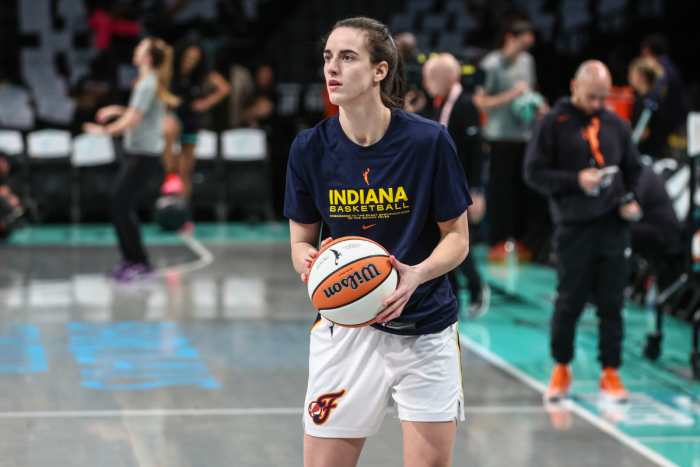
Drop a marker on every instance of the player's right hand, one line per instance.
(520, 88)
(311, 255)
(590, 179)
(107, 113)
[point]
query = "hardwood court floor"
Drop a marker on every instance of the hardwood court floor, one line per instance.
(205, 365)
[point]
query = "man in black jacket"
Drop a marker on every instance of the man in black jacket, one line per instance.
(441, 78)
(582, 157)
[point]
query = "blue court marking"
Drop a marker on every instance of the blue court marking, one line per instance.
(136, 356)
(21, 351)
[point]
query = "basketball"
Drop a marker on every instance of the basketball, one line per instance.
(171, 212)
(350, 279)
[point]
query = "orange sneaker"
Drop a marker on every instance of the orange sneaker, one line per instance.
(523, 252)
(559, 384)
(611, 386)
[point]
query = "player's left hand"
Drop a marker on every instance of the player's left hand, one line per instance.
(409, 280)
(631, 211)
(94, 128)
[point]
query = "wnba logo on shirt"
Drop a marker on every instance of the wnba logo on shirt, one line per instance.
(320, 409)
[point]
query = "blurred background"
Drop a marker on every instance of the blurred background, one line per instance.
(62, 60)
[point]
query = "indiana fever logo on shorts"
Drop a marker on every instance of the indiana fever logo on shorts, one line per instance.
(320, 409)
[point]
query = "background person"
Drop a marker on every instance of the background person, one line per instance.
(141, 123)
(199, 89)
(461, 117)
(515, 211)
(566, 160)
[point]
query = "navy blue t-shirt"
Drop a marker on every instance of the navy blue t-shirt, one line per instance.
(393, 192)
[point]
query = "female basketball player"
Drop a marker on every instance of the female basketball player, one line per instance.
(140, 123)
(379, 172)
(199, 90)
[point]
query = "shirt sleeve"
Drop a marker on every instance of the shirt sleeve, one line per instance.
(531, 71)
(490, 80)
(143, 94)
(630, 165)
(539, 169)
(450, 192)
(299, 204)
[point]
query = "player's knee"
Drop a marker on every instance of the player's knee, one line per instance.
(170, 128)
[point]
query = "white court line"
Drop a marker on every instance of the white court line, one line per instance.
(205, 258)
(594, 420)
(670, 439)
(225, 412)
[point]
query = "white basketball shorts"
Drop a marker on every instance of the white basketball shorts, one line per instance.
(356, 373)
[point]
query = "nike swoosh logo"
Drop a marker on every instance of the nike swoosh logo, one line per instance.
(368, 226)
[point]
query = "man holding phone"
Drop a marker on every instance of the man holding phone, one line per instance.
(582, 157)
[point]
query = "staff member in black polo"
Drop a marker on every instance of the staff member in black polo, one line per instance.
(441, 78)
(582, 157)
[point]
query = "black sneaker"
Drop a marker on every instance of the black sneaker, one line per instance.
(480, 304)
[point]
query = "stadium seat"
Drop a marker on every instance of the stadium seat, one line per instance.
(49, 154)
(246, 172)
(208, 190)
(94, 165)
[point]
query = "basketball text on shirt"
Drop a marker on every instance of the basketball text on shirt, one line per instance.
(369, 200)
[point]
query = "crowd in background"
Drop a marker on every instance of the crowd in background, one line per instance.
(231, 34)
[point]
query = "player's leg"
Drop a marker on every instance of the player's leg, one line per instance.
(332, 452)
(133, 176)
(347, 393)
(428, 394)
(171, 133)
(428, 444)
(186, 167)
(611, 279)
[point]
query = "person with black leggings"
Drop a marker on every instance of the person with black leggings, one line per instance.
(457, 112)
(141, 124)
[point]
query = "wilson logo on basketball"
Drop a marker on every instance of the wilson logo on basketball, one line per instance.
(354, 280)
(320, 409)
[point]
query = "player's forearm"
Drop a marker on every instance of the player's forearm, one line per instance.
(488, 102)
(128, 120)
(447, 255)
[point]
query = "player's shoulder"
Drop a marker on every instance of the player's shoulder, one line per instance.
(491, 60)
(311, 139)
(417, 127)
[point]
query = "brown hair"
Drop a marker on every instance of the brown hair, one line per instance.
(648, 68)
(382, 48)
(161, 54)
